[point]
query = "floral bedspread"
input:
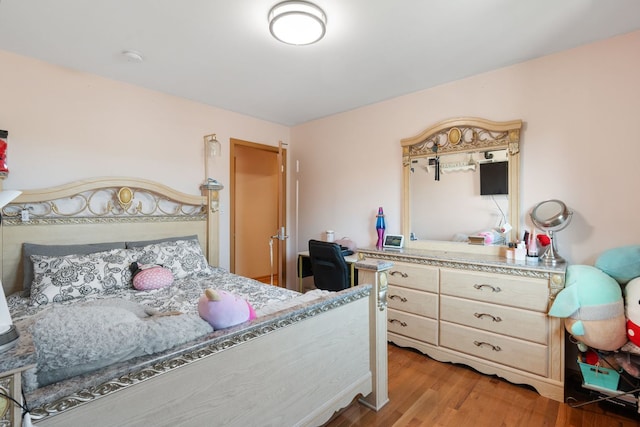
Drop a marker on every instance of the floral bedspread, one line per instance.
(181, 296)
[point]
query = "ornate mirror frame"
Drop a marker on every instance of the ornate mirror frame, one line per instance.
(460, 135)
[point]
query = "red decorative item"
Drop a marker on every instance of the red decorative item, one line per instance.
(4, 170)
(543, 239)
(591, 357)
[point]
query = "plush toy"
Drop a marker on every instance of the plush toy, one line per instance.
(593, 307)
(632, 300)
(223, 309)
(146, 277)
(623, 263)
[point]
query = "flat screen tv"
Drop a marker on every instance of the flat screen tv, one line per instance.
(494, 178)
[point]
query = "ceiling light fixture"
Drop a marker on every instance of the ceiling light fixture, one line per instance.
(297, 22)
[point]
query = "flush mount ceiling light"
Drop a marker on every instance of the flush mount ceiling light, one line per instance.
(297, 22)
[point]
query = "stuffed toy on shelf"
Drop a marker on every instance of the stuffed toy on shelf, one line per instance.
(593, 308)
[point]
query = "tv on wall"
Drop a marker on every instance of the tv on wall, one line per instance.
(494, 178)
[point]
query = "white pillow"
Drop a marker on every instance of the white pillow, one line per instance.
(183, 257)
(68, 277)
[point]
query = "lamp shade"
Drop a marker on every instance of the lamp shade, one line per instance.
(214, 147)
(8, 333)
(7, 196)
(297, 22)
(5, 317)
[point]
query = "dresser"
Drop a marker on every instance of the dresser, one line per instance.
(480, 310)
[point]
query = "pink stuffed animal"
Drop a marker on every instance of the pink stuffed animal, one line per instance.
(223, 309)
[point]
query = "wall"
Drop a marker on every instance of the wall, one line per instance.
(579, 144)
(65, 125)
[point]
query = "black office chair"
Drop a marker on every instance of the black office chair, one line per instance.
(330, 271)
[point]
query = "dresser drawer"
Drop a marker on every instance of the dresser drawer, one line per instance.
(523, 355)
(515, 322)
(412, 301)
(413, 276)
(523, 292)
(412, 326)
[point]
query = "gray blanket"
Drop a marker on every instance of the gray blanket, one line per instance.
(77, 339)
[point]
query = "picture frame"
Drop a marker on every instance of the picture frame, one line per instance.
(393, 241)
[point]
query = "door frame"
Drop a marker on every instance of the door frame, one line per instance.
(281, 200)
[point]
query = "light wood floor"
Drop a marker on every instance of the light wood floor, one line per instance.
(424, 392)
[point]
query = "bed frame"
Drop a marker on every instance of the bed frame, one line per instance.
(293, 370)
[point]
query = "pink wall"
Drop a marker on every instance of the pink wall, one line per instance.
(579, 144)
(65, 125)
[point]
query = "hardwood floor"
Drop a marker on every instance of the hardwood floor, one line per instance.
(267, 280)
(424, 392)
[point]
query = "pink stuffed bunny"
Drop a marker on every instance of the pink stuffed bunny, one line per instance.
(223, 309)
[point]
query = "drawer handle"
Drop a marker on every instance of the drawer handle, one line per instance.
(482, 344)
(402, 299)
(494, 318)
(493, 288)
(403, 324)
(403, 275)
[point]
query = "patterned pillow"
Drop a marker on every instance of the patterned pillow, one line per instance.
(183, 257)
(63, 278)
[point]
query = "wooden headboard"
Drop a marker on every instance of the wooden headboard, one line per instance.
(108, 209)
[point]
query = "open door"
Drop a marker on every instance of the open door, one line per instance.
(258, 214)
(281, 236)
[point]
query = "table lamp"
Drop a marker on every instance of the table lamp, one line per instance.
(8, 332)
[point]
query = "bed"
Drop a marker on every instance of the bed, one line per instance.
(304, 356)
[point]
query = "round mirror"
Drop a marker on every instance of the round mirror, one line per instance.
(551, 216)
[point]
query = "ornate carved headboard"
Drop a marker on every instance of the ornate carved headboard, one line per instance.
(104, 210)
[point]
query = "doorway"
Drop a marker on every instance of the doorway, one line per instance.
(258, 180)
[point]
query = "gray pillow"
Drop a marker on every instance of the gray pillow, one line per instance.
(29, 249)
(74, 340)
(142, 243)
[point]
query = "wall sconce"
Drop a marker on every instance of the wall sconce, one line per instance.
(212, 187)
(212, 148)
(213, 145)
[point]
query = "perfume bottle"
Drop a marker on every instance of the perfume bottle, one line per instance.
(380, 227)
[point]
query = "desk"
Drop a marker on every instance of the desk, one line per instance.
(304, 267)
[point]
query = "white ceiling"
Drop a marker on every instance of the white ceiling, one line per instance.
(220, 52)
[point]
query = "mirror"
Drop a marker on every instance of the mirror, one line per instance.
(459, 204)
(551, 216)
